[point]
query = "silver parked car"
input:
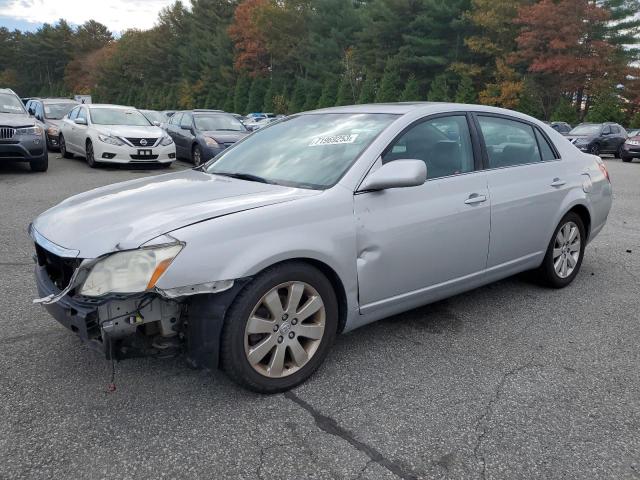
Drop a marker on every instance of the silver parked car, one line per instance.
(317, 225)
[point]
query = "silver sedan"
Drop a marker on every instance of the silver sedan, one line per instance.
(317, 225)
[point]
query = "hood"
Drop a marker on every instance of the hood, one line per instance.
(126, 215)
(129, 131)
(16, 120)
(225, 136)
(573, 138)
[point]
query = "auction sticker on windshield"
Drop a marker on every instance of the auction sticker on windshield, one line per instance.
(333, 140)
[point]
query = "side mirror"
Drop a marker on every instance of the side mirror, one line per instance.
(396, 174)
(80, 121)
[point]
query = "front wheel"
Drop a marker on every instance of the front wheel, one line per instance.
(196, 155)
(618, 153)
(565, 252)
(91, 160)
(41, 164)
(595, 149)
(279, 328)
(63, 148)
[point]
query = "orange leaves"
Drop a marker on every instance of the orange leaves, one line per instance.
(249, 40)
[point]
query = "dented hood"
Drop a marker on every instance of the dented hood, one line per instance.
(128, 214)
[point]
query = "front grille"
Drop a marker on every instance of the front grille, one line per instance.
(138, 142)
(59, 269)
(7, 132)
(143, 158)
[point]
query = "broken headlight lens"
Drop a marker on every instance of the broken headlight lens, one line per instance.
(129, 272)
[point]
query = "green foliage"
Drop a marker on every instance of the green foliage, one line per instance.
(565, 112)
(368, 90)
(411, 91)
(241, 95)
(298, 97)
(465, 92)
(256, 95)
(440, 90)
(314, 90)
(329, 93)
(635, 121)
(345, 92)
(390, 84)
(607, 107)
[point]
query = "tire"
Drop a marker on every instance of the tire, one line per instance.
(595, 149)
(618, 152)
(41, 164)
(282, 336)
(548, 273)
(196, 155)
(63, 148)
(91, 161)
(627, 159)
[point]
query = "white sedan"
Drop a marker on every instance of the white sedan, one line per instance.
(114, 134)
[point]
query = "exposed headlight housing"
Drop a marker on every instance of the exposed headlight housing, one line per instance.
(211, 142)
(53, 131)
(111, 140)
(166, 140)
(35, 130)
(132, 271)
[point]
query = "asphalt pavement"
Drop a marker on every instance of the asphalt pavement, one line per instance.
(510, 381)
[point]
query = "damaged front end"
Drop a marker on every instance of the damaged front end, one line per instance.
(90, 298)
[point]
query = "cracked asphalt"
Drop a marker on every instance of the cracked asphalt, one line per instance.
(509, 381)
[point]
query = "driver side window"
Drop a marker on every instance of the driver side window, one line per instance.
(442, 143)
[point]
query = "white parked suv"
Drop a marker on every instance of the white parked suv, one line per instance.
(114, 134)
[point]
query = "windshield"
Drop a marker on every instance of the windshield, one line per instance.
(307, 151)
(585, 130)
(154, 116)
(11, 104)
(218, 122)
(118, 116)
(55, 111)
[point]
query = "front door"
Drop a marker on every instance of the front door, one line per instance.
(412, 240)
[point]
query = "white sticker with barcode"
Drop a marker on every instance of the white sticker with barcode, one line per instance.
(333, 140)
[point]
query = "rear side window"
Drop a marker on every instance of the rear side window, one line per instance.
(606, 130)
(546, 151)
(175, 119)
(509, 142)
(187, 120)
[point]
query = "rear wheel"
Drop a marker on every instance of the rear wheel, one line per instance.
(91, 160)
(280, 328)
(595, 149)
(63, 148)
(41, 164)
(196, 155)
(618, 153)
(565, 252)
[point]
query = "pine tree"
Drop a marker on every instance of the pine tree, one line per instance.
(241, 94)
(329, 93)
(368, 90)
(298, 97)
(390, 84)
(345, 93)
(465, 92)
(635, 121)
(606, 107)
(314, 90)
(439, 91)
(256, 95)
(565, 112)
(267, 102)
(411, 91)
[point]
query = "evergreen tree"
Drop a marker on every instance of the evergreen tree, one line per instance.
(241, 94)
(411, 91)
(329, 93)
(390, 84)
(607, 107)
(465, 92)
(635, 121)
(256, 95)
(267, 102)
(314, 90)
(298, 97)
(439, 91)
(368, 90)
(345, 92)
(565, 112)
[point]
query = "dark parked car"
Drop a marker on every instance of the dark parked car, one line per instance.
(561, 127)
(631, 147)
(50, 112)
(200, 135)
(597, 138)
(21, 136)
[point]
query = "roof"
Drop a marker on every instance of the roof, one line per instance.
(107, 105)
(57, 100)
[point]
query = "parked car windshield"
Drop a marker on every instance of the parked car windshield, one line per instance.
(585, 130)
(154, 116)
(307, 151)
(11, 104)
(118, 116)
(218, 122)
(55, 111)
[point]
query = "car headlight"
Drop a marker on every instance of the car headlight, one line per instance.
(53, 131)
(166, 140)
(633, 142)
(35, 130)
(211, 142)
(111, 140)
(132, 271)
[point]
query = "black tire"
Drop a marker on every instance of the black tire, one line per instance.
(595, 149)
(547, 273)
(63, 148)
(627, 159)
(618, 152)
(233, 357)
(41, 164)
(91, 160)
(196, 155)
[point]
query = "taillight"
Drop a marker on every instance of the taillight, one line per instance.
(603, 169)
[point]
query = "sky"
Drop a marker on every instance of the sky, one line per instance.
(118, 15)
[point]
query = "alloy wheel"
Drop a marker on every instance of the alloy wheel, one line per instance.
(566, 249)
(90, 160)
(197, 157)
(285, 329)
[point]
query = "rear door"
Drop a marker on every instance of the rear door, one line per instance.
(527, 183)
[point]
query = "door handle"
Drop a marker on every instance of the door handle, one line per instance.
(475, 198)
(558, 182)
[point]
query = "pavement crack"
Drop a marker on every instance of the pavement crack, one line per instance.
(330, 426)
(481, 427)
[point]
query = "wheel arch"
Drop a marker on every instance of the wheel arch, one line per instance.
(583, 212)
